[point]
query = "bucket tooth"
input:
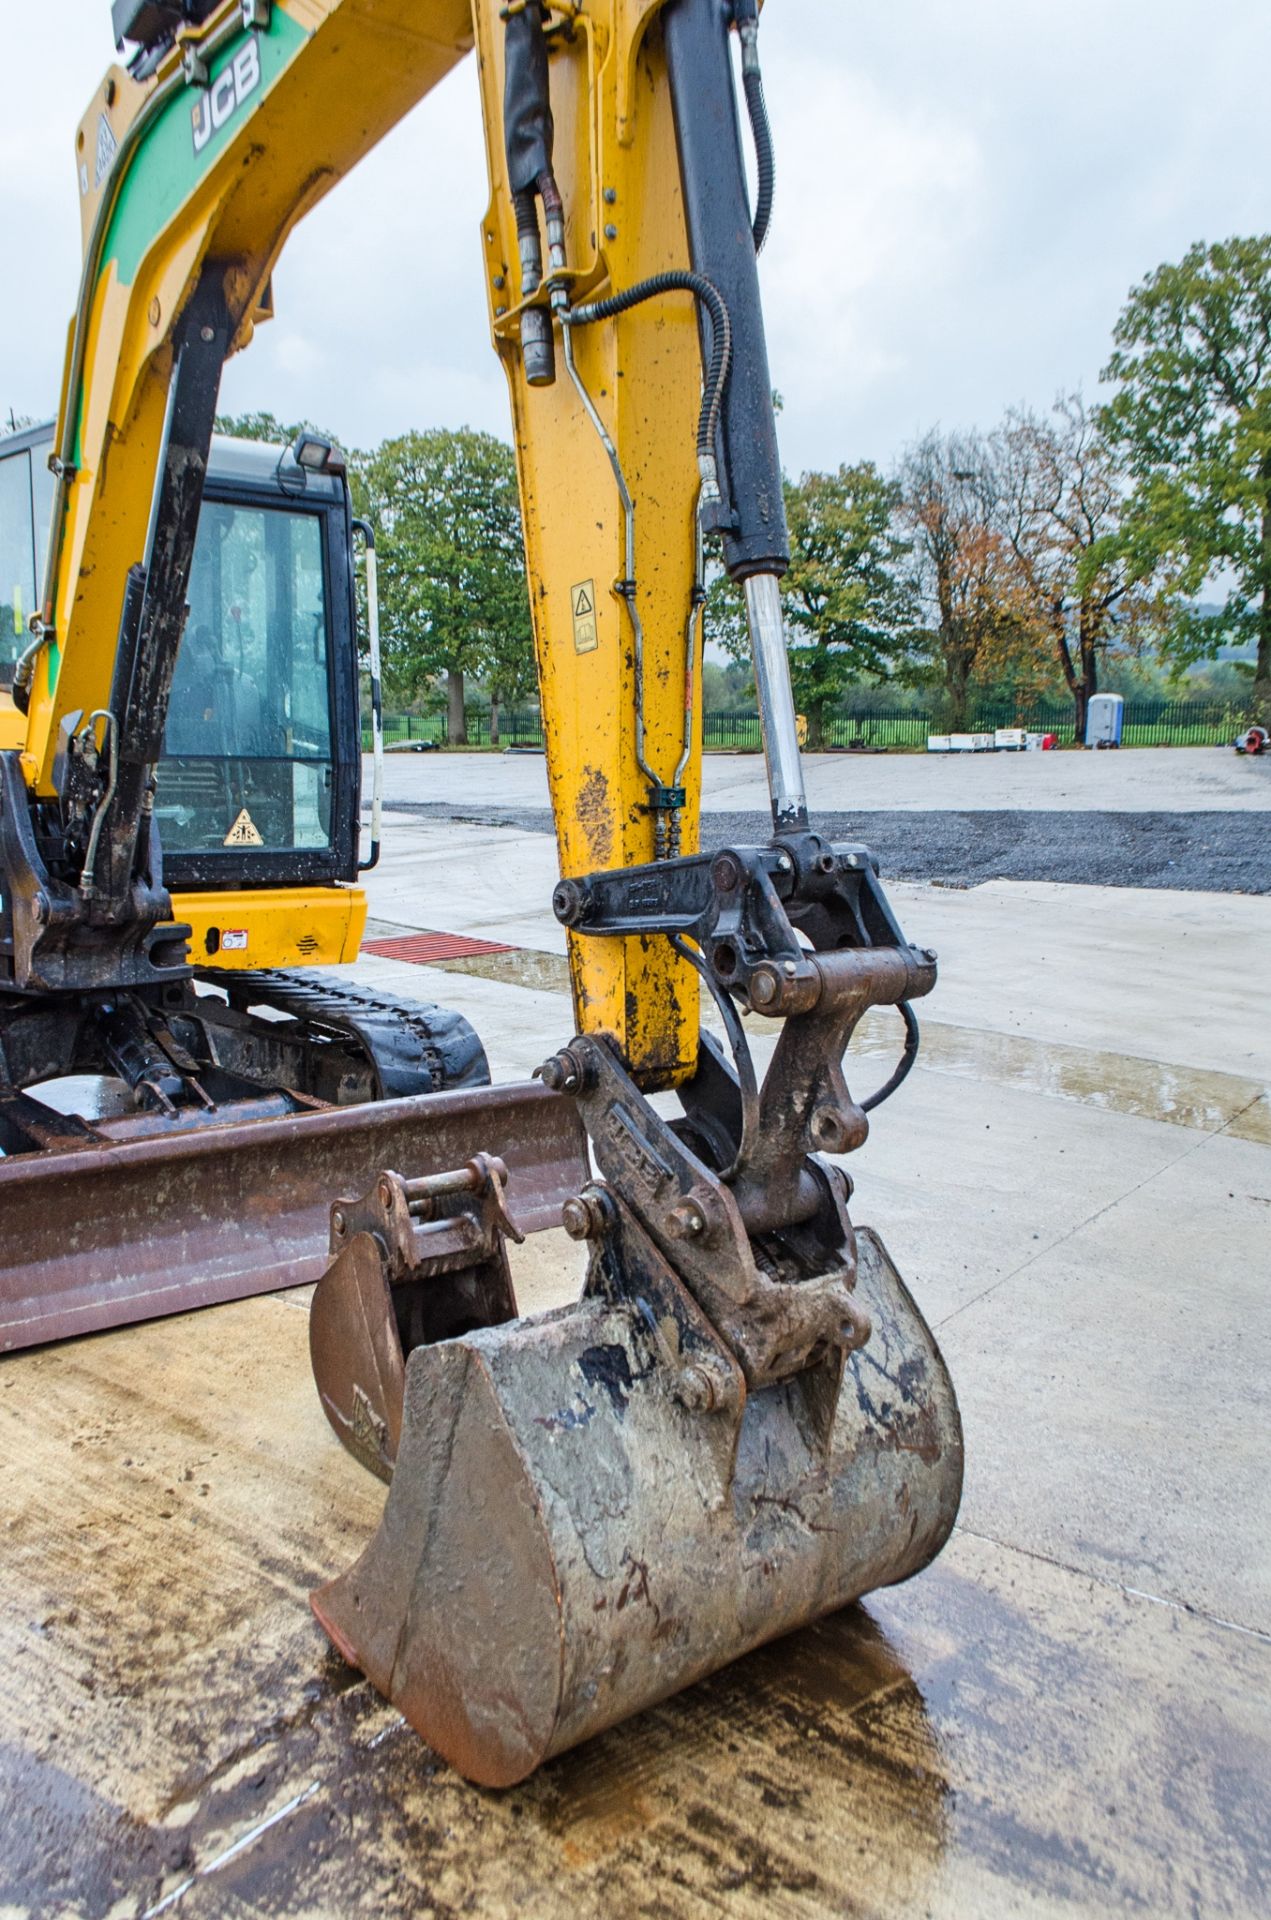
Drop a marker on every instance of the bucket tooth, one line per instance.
(555, 1554)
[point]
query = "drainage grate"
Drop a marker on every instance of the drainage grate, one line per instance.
(425, 949)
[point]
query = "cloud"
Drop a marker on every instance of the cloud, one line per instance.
(965, 195)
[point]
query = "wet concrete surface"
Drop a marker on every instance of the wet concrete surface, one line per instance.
(1069, 1713)
(1001, 1735)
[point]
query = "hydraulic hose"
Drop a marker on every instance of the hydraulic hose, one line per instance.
(907, 1059)
(746, 15)
(721, 351)
(761, 133)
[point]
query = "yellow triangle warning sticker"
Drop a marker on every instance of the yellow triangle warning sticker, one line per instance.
(582, 601)
(244, 832)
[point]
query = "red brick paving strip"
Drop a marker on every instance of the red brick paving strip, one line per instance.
(425, 948)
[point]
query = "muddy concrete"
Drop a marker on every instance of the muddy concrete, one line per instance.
(999, 1736)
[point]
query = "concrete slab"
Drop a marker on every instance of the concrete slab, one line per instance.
(490, 881)
(1160, 976)
(1069, 1714)
(1134, 1357)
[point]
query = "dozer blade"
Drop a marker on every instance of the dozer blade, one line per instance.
(95, 1237)
(579, 1524)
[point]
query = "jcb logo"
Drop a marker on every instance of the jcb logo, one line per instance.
(232, 85)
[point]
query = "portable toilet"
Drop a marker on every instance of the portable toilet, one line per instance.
(1103, 720)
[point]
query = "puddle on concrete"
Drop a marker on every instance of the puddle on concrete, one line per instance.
(1114, 1082)
(522, 967)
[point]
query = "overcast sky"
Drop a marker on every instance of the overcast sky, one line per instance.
(966, 190)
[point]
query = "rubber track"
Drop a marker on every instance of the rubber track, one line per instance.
(416, 1046)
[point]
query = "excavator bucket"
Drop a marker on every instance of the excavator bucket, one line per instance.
(575, 1531)
(182, 1220)
(743, 1424)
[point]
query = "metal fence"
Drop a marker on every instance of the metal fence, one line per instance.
(1147, 723)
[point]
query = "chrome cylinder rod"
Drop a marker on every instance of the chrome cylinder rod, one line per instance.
(776, 702)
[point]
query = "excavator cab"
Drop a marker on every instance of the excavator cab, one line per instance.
(259, 784)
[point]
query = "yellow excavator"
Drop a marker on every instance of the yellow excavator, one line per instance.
(744, 1421)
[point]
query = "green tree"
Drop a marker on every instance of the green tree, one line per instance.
(726, 686)
(267, 427)
(849, 608)
(1192, 422)
(452, 570)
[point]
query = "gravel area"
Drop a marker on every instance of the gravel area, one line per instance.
(1205, 852)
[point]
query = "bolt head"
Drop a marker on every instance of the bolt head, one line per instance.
(687, 1221)
(338, 1222)
(575, 1217)
(695, 1390)
(763, 987)
(785, 863)
(789, 968)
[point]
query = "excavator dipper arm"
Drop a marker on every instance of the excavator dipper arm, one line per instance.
(745, 1421)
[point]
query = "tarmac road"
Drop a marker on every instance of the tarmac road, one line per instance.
(1191, 852)
(1194, 820)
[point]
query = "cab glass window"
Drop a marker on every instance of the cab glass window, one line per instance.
(17, 560)
(247, 751)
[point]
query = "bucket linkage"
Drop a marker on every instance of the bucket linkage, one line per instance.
(743, 1424)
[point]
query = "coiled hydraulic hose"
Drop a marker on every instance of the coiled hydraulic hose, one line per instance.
(907, 1059)
(721, 350)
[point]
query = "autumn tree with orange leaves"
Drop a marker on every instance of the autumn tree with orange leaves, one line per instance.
(981, 622)
(1058, 504)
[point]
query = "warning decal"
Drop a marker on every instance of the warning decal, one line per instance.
(582, 602)
(244, 832)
